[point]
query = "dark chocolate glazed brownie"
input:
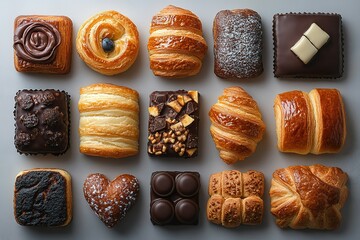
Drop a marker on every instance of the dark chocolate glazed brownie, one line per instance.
(42, 121)
(173, 123)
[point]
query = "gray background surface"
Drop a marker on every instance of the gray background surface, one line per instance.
(137, 225)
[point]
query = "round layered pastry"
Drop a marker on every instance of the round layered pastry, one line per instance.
(108, 42)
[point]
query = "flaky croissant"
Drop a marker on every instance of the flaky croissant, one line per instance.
(308, 196)
(310, 123)
(176, 45)
(236, 126)
(235, 198)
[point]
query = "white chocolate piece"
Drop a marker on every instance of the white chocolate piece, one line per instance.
(304, 49)
(316, 35)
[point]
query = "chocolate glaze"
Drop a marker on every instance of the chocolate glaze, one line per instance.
(42, 121)
(181, 205)
(159, 124)
(287, 30)
(40, 199)
(36, 42)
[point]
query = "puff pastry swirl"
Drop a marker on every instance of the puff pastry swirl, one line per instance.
(109, 121)
(176, 45)
(236, 126)
(308, 196)
(310, 123)
(122, 32)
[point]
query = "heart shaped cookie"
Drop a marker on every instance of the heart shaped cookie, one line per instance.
(111, 200)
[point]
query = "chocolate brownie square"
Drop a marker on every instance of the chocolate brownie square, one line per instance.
(173, 123)
(42, 121)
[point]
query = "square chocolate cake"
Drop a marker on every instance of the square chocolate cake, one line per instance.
(173, 123)
(42, 121)
(308, 45)
(42, 44)
(174, 198)
(43, 197)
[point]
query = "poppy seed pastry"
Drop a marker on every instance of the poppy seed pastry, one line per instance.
(308, 45)
(237, 44)
(108, 42)
(176, 46)
(308, 196)
(109, 121)
(42, 122)
(42, 44)
(43, 197)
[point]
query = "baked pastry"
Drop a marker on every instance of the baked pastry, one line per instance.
(308, 45)
(108, 42)
(237, 44)
(42, 44)
(173, 123)
(308, 196)
(236, 125)
(235, 198)
(111, 200)
(109, 121)
(43, 197)
(42, 122)
(176, 45)
(310, 123)
(174, 198)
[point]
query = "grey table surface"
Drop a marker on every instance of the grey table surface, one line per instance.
(137, 225)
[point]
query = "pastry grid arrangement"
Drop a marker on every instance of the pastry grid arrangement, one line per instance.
(306, 45)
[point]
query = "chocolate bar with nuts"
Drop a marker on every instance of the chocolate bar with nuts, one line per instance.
(173, 123)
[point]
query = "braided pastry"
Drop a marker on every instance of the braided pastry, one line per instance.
(308, 196)
(108, 42)
(310, 123)
(109, 121)
(176, 45)
(235, 198)
(236, 126)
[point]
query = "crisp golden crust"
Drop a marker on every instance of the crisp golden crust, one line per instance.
(109, 121)
(62, 59)
(294, 123)
(115, 26)
(235, 198)
(176, 46)
(310, 123)
(308, 196)
(330, 130)
(237, 126)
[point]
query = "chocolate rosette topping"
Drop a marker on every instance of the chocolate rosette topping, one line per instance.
(36, 42)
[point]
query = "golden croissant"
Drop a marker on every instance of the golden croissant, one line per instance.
(236, 126)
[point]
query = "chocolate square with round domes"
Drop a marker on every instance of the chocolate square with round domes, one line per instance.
(42, 44)
(174, 198)
(42, 121)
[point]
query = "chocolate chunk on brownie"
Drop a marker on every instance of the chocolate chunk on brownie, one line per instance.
(173, 123)
(174, 198)
(42, 121)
